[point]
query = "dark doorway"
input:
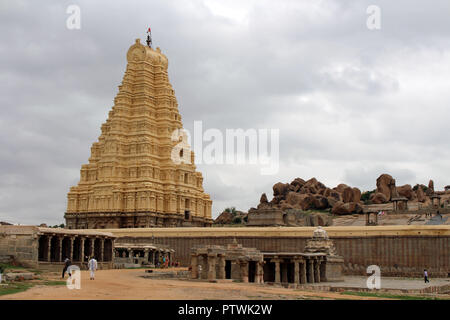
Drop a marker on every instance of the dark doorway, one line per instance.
(269, 271)
(97, 249)
(54, 249)
(77, 249)
(228, 269)
(66, 248)
(251, 271)
(87, 249)
(290, 272)
(187, 215)
(43, 248)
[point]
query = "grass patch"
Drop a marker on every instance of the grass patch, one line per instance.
(14, 288)
(53, 283)
(6, 267)
(388, 296)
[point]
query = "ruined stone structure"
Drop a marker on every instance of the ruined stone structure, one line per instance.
(318, 263)
(131, 180)
(47, 248)
(227, 262)
(140, 254)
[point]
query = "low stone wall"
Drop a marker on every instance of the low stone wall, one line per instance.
(397, 250)
(20, 244)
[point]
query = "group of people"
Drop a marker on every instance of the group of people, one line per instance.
(430, 214)
(92, 266)
(164, 262)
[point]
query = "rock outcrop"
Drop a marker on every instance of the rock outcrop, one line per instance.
(406, 191)
(310, 194)
(386, 186)
(378, 198)
(231, 217)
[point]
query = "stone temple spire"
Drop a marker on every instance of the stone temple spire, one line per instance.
(131, 179)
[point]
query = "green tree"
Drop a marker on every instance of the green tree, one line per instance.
(237, 220)
(231, 210)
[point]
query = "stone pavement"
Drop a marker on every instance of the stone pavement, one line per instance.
(411, 285)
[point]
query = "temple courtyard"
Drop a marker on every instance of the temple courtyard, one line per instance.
(138, 284)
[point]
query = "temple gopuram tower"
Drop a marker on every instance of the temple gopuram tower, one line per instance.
(131, 180)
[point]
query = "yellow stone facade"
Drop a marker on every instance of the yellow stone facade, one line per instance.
(131, 180)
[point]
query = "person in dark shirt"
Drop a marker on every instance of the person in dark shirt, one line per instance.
(67, 263)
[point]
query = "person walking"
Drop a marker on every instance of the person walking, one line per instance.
(67, 264)
(425, 275)
(92, 265)
(1, 273)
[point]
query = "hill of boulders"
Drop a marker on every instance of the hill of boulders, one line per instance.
(313, 194)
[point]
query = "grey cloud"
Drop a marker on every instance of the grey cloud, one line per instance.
(349, 102)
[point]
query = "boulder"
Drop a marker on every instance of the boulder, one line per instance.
(420, 194)
(224, 218)
(320, 202)
(284, 205)
(430, 190)
(340, 188)
(406, 191)
(347, 195)
(356, 195)
(314, 185)
(263, 199)
(386, 186)
(431, 185)
(18, 276)
(332, 201)
(378, 198)
(301, 201)
(298, 182)
(280, 189)
(341, 208)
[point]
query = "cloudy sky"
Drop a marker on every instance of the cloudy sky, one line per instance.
(351, 103)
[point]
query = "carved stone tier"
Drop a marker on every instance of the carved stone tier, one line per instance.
(131, 179)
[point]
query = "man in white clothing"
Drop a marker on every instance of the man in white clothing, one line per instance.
(92, 265)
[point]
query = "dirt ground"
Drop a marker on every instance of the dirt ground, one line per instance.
(126, 284)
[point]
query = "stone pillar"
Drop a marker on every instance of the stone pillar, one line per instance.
(296, 272)
(303, 272)
(277, 272)
(92, 253)
(60, 240)
(311, 270)
(102, 250)
(131, 255)
(49, 249)
(113, 248)
(194, 267)
(211, 267)
(72, 243)
(284, 273)
(244, 271)
(204, 267)
(154, 257)
(82, 249)
(259, 272)
(316, 270)
(221, 269)
(146, 255)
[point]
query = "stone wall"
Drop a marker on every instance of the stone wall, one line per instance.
(20, 244)
(398, 250)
